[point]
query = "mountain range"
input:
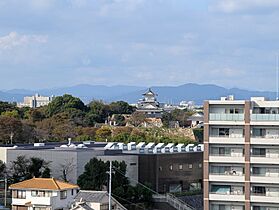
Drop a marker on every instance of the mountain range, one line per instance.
(131, 94)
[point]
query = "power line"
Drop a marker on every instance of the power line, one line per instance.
(135, 181)
(128, 201)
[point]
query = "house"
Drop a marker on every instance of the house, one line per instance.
(95, 200)
(196, 119)
(42, 193)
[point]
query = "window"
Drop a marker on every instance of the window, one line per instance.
(190, 166)
(171, 167)
(34, 193)
(259, 190)
(180, 167)
(224, 132)
(20, 194)
(41, 194)
(160, 168)
(48, 194)
(63, 194)
(259, 152)
(200, 165)
(72, 191)
(133, 164)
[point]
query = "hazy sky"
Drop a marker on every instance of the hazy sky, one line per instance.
(55, 43)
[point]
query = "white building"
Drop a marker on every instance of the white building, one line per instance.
(42, 193)
(95, 200)
(241, 156)
(35, 101)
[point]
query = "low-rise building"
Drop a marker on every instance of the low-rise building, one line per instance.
(95, 200)
(42, 194)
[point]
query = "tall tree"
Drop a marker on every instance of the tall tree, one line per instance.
(63, 103)
(10, 129)
(25, 168)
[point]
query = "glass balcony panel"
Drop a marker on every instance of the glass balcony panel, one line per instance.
(226, 117)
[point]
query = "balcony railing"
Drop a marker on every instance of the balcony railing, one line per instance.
(229, 193)
(227, 155)
(227, 173)
(227, 136)
(226, 117)
(264, 117)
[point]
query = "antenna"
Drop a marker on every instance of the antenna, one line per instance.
(277, 77)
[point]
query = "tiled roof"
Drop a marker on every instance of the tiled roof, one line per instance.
(43, 184)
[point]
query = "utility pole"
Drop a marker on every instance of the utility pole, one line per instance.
(110, 169)
(5, 193)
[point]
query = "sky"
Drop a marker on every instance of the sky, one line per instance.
(50, 43)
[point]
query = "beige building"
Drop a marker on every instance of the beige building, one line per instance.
(35, 101)
(241, 154)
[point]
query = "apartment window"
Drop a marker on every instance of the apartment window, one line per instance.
(200, 165)
(225, 132)
(259, 190)
(259, 132)
(180, 167)
(259, 152)
(133, 164)
(63, 194)
(72, 191)
(190, 166)
(171, 167)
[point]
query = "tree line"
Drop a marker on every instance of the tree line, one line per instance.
(68, 117)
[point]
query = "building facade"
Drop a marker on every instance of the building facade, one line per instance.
(176, 172)
(241, 154)
(35, 101)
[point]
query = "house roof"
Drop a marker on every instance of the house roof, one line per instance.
(95, 197)
(82, 205)
(44, 184)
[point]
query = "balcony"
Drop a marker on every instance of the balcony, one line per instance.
(225, 117)
(265, 159)
(226, 158)
(265, 178)
(268, 119)
(44, 201)
(264, 198)
(226, 177)
(226, 140)
(262, 140)
(229, 196)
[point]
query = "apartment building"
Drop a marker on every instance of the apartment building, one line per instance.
(241, 154)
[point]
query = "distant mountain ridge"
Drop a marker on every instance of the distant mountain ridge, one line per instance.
(131, 94)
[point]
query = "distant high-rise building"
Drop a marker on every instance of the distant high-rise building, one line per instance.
(241, 154)
(35, 101)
